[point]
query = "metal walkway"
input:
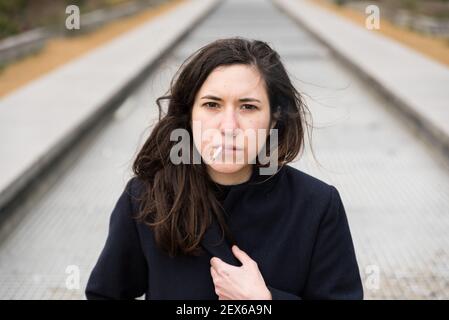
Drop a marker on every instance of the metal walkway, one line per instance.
(396, 192)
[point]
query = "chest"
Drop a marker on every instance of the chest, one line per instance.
(281, 256)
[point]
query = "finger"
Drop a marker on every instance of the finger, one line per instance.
(219, 274)
(243, 257)
(213, 273)
(221, 267)
(216, 262)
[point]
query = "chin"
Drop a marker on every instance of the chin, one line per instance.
(227, 167)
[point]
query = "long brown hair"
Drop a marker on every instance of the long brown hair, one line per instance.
(177, 200)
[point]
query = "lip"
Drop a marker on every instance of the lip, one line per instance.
(228, 147)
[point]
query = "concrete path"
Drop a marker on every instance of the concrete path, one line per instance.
(395, 191)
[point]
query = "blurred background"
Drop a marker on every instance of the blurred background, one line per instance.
(77, 99)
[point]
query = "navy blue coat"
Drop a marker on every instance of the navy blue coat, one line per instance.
(293, 225)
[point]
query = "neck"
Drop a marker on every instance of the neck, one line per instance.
(238, 177)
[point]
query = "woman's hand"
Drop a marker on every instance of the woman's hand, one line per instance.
(238, 283)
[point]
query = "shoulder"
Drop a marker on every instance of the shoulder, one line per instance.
(309, 190)
(127, 205)
(135, 186)
(305, 182)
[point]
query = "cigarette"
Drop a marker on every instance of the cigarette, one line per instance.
(216, 153)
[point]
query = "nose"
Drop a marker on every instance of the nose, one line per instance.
(229, 123)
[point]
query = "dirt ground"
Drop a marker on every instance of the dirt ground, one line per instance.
(432, 47)
(62, 50)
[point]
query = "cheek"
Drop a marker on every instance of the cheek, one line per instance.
(203, 126)
(259, 129)
(259, 121)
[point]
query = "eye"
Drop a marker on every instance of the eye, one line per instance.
(249, 107)
(211, 105)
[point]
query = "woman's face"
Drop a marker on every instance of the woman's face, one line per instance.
(231, 110)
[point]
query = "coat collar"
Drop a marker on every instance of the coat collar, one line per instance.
(217, 245)
(213, 240)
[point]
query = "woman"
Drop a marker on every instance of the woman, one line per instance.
(228, 226)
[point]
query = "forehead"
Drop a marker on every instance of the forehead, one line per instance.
(235, 81)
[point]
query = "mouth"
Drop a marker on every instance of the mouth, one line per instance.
(230, 147)
(223, 149)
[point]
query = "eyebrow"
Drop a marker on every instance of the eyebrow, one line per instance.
(241, 100)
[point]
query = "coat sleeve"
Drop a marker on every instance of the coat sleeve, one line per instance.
(334, 273)
(277, 294)
(121, 269)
